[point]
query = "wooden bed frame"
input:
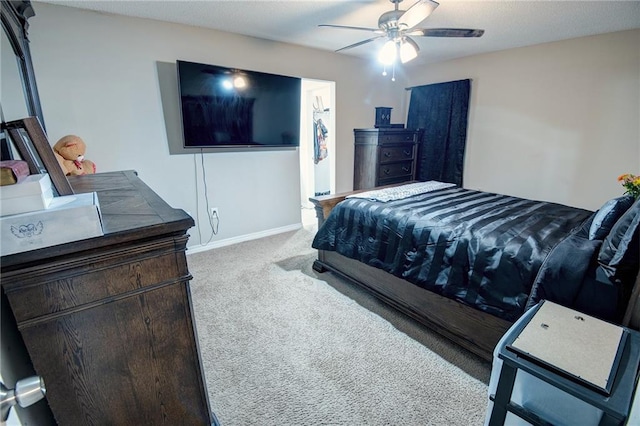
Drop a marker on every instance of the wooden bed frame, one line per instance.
(472, 329)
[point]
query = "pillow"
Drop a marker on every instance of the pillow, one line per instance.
(620, 251)
(608, 215)
(583, 231)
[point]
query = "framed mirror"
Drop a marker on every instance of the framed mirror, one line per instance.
(18, 91)
(19, 98)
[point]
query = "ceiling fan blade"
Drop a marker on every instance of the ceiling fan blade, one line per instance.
(445, 32)
(346, 27)
(417, 13)
(360, 43)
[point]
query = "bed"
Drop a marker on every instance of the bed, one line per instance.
(469, 263)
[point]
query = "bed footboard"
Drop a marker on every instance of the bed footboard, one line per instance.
(472, 329)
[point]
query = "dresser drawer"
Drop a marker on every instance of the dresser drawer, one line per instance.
(396, 153)
(110, 276)
(393, 170)
(137, 354)
(396, 137)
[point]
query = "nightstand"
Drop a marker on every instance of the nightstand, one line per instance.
(527, 388)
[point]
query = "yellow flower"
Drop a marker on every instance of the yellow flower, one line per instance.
(631, 183)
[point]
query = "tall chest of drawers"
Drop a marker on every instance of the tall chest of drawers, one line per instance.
(384, 156)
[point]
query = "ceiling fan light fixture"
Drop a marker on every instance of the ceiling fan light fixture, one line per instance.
(398, 27)
(227, 83)
(408, 50)
(239, 82)
(388, 53)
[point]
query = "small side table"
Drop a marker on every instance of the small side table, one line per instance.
(615, 406)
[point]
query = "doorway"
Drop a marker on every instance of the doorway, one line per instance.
(317, 144)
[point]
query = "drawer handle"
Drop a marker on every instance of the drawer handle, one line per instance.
(387, 154)
(405, 168)
(407, 153)
(386, 171)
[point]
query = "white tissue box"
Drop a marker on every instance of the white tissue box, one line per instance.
(68, 218)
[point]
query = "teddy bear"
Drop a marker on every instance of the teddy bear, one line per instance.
(69, 151)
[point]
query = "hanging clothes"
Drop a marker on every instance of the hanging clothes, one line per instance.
(320, 131)
(320, 134)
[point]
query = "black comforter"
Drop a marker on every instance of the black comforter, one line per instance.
(482, 249)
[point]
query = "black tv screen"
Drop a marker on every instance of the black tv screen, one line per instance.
(228, 107)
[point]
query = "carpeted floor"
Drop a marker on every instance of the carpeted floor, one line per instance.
(284, 345)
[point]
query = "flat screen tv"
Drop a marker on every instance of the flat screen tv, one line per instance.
(232, 108)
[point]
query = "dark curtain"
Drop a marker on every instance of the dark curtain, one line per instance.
(441, 110)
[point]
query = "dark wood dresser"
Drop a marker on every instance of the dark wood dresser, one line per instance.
(384, 156)
(107, 321)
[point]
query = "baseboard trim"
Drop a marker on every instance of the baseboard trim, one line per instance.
(242, 238)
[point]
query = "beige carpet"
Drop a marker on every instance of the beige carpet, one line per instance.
(284, 345)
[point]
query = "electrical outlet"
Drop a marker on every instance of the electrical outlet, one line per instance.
(214, 212)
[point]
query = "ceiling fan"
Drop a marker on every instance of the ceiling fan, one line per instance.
(398, 26)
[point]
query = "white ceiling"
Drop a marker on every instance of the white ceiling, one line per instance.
(507, 23)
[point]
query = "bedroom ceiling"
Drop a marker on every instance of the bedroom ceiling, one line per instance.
(507, 24)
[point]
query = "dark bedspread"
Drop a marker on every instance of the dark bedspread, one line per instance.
(480, 248)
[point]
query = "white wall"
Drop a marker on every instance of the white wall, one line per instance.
(557, 121)
(105, 77)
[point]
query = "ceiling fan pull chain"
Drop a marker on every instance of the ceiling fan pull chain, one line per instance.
(393, 76)
(384, 70)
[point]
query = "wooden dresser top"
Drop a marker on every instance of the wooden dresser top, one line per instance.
(130, 210)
